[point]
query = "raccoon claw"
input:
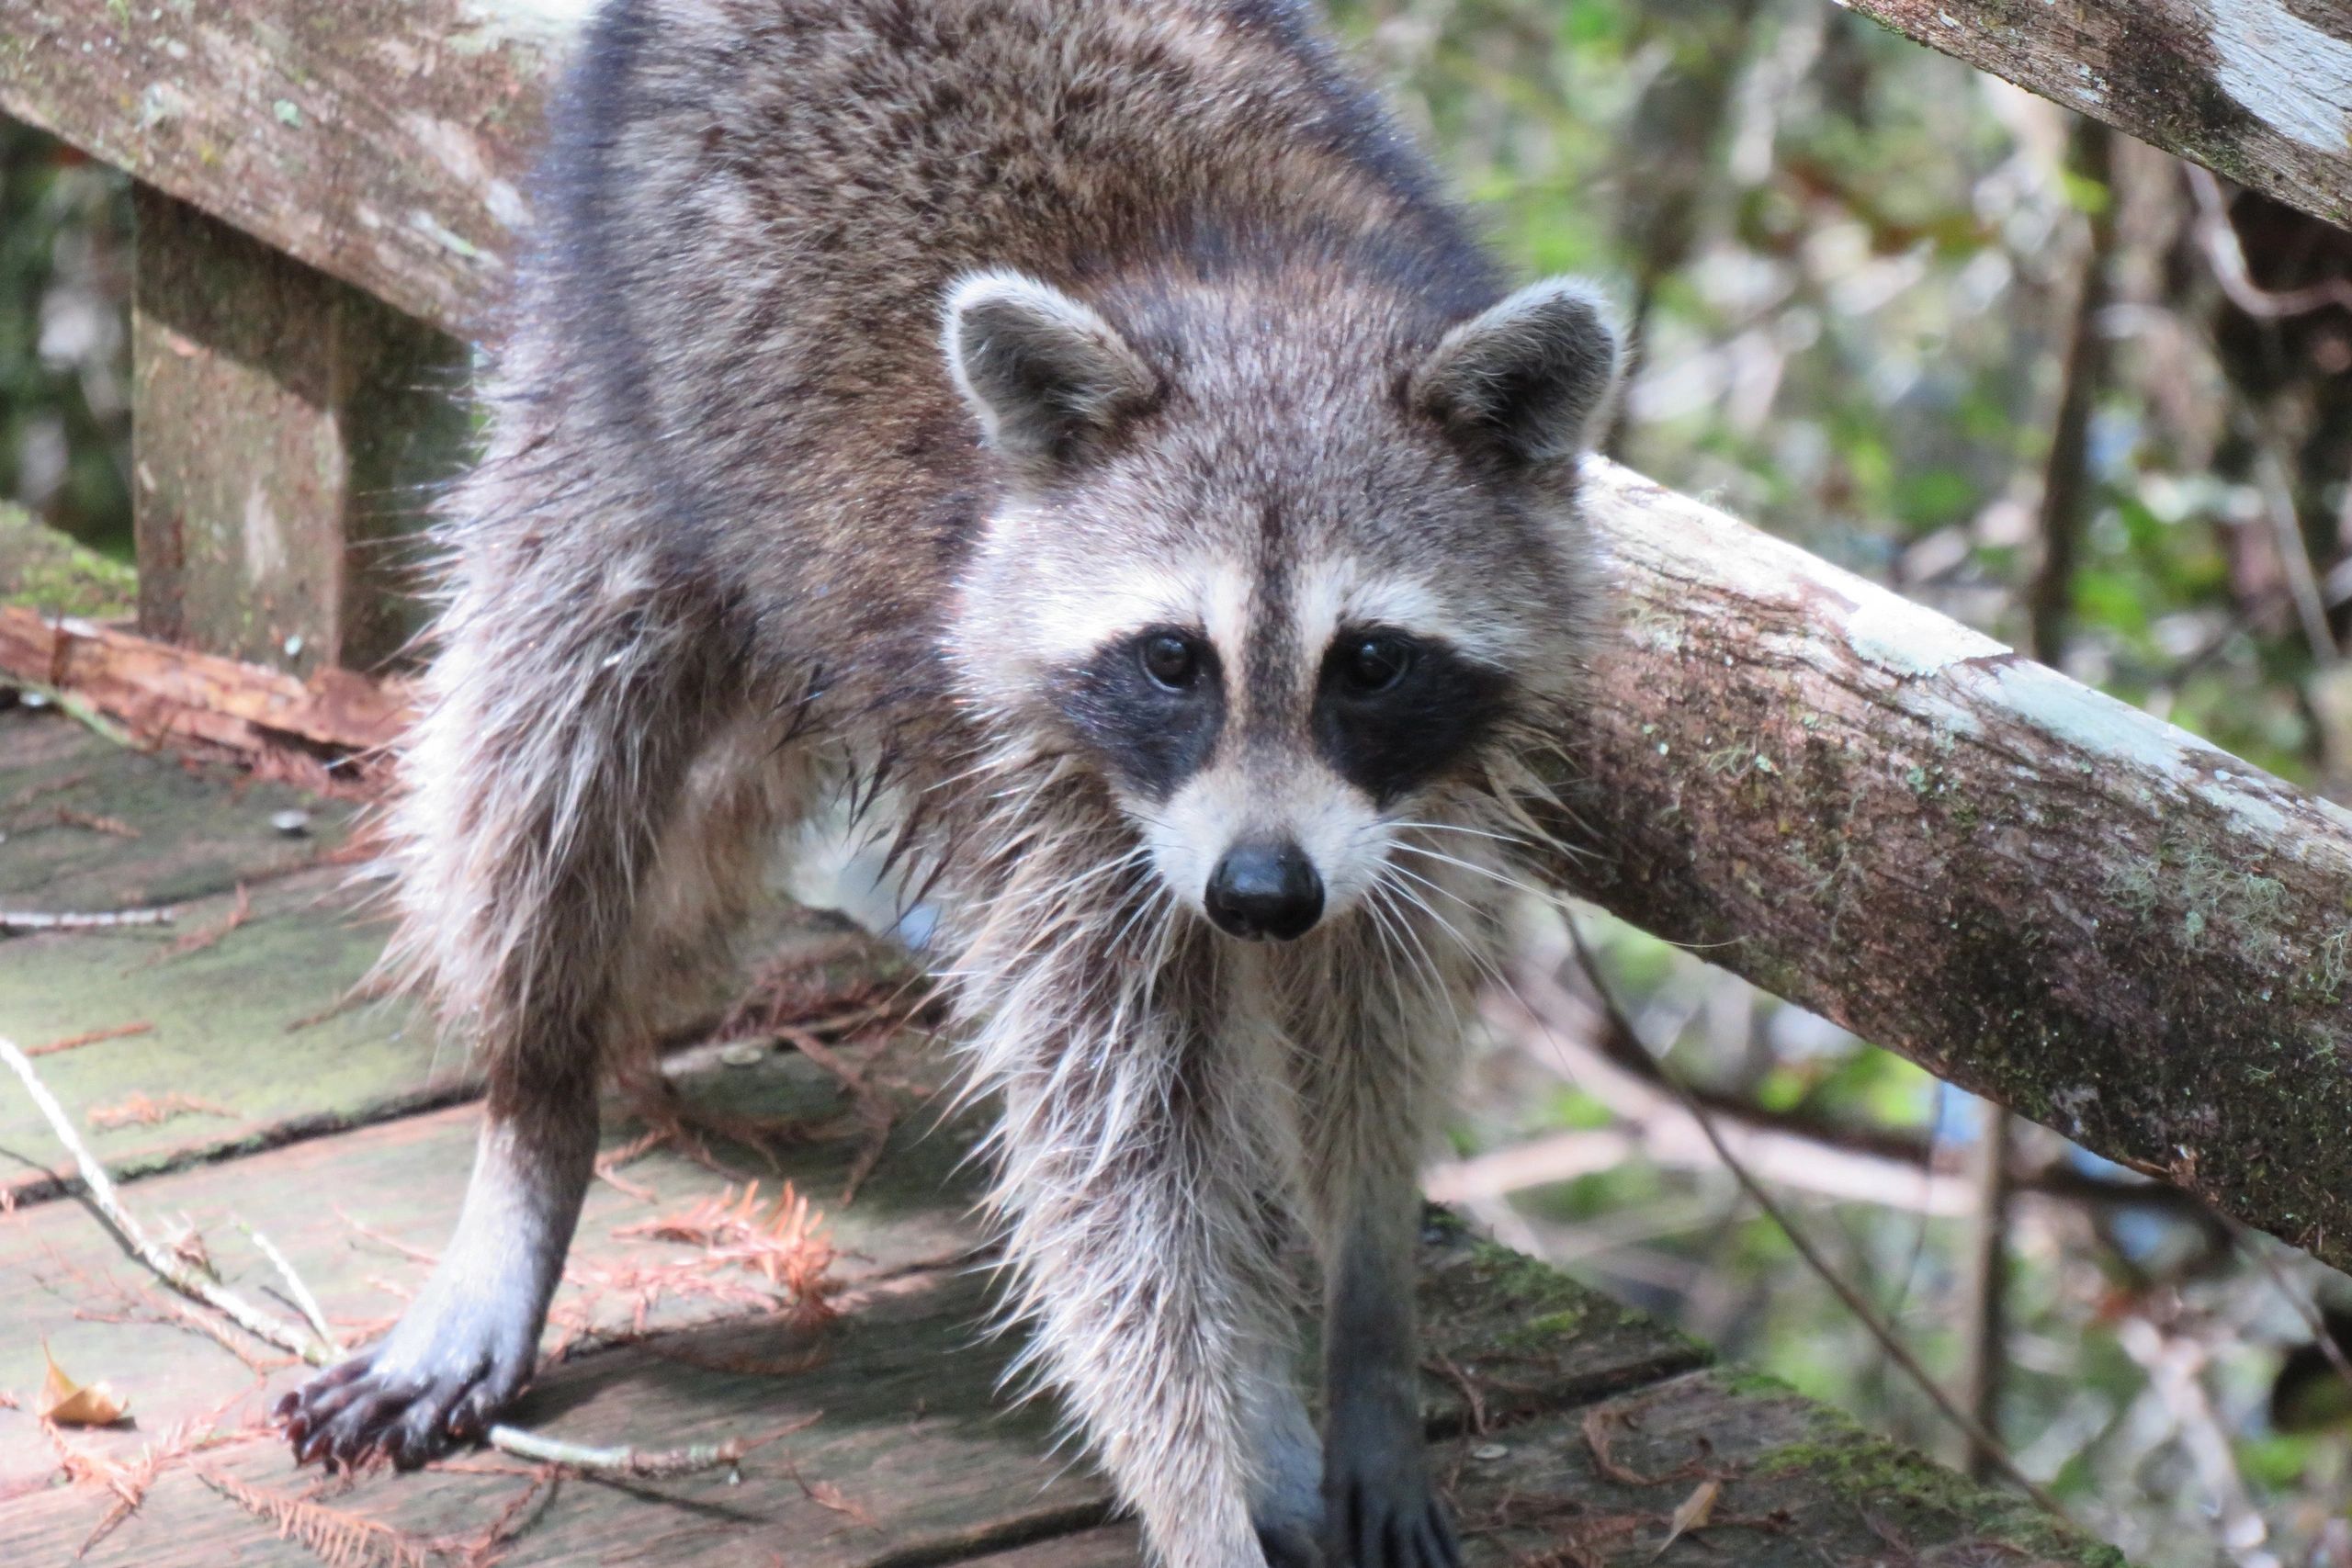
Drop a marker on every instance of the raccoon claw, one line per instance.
(387, 1404)
(1395, 1524)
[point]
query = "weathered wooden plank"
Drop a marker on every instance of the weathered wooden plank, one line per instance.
(199, 829)
(378, 141)
(2031, 889)
(911, 1430)
(2259, 90)
(1795, 1486)
(1117, 1545)
(221, 1032)
(250, 1021)
(401, 1181)
(903, 1451)
(287, 424)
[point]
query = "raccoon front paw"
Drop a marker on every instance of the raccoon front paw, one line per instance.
(437, 1380)
(1380, 1510)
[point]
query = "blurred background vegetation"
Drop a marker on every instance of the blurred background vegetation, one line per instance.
(2048, 380)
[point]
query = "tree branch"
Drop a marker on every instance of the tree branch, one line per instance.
(2028, 888)
(185, 1278)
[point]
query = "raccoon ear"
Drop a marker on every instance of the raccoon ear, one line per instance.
(1527, 379)
(1044, 374)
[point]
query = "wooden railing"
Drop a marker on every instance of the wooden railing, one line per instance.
(2033, 890)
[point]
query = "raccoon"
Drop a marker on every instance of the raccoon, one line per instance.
(1087, 425)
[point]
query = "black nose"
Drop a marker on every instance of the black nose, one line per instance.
(1265, 890)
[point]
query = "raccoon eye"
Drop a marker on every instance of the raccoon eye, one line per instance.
(1376, 664)
(1172, 660)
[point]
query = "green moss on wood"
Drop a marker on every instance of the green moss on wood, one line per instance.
(42, 569)
(1890, 1480)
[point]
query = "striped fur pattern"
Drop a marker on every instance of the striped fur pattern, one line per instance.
(1083, 425)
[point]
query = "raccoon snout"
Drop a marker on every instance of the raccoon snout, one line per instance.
(1265, 889)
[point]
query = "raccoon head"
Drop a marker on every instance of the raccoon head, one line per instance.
(1287, 566)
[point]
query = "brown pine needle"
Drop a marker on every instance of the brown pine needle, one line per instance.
(89, 1037)
(115, 826)
(203, 937)
(339, 1538)
(141, 1111)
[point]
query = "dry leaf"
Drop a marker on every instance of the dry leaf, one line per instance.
(70, 1403)
(1694, 1513)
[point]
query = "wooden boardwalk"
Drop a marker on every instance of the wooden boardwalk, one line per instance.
(1569, 1430)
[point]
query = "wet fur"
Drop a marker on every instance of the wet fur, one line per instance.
(738, 541)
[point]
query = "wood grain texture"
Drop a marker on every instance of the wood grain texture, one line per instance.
(2031, 889)
(288, 427)
(1794, 1487)
(381, 142)
(201, 829)
(340, 1209)
(219, 1034)
(2258, 90)
(911, 1430)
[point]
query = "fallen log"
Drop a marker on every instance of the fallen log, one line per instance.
(2028, 888)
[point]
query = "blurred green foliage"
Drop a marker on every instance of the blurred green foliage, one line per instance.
(64, 338)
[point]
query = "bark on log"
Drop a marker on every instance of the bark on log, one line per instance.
(2028, 888)
(2258, 90)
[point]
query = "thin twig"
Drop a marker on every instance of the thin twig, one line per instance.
(2226, 255)
(2066, 475)
(1984, 1358)
(639, 1464)
(2273, 476)
(38, 920)
(1863, 1313)
(183, 1278)
(300, 1291)
(2304, 1307)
